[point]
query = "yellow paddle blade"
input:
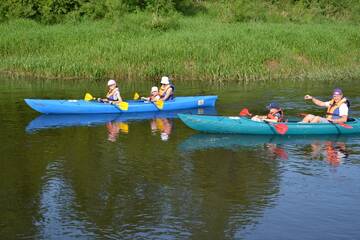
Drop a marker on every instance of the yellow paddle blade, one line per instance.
(124, 106)
(124, 127)
(136, 96)
(159, 104)
(88, 97)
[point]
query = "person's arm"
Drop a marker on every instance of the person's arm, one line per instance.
(156, 98)
(271, 120)
(315, 101)
(168, 93)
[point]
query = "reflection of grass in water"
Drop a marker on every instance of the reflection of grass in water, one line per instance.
(200, 49)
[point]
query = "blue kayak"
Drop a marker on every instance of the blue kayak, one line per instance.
(242, 125)
(75, 120)
(92, 107)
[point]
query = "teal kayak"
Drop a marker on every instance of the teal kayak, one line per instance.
(93, 107)
(242, 125)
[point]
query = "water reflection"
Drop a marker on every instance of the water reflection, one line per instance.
(114, 128)
(163, 126)
(332, 149)
(334, 152)
(75, 120)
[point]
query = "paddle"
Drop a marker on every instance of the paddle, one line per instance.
(89, 97)
(159, 103)
(280, 128)
(344, 125)
(124, 106)
(136, 96)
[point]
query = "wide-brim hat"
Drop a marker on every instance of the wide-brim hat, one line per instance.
(165, 80)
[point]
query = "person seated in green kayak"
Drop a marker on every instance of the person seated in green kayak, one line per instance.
(113, 94)
(167, 89)
(276, 114)
(154, 95)
(337, 109)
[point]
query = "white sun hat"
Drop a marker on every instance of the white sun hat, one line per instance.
(154, 89)
(111, 82)
(165, 80)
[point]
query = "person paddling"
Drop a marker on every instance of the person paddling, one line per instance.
(166, 90)
(337, 109)
(154, 95)
(276, 114)
(113, 94)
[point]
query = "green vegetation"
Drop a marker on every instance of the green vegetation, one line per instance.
(238, 40)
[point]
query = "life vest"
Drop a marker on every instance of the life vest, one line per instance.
(333, 111)
(163, 90)
(274, 115)
(111, 94)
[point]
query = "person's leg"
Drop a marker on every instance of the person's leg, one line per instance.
(316, 119)
(308, 118)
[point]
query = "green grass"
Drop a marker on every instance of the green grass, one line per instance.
(192, 48)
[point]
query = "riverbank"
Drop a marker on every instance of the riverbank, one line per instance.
(193, 48)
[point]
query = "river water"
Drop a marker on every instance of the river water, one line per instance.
(121, 177)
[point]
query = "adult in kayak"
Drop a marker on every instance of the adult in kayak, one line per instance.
(154, 95)
(276, 114)
(167, 89)
(337, 109)
(113, 94)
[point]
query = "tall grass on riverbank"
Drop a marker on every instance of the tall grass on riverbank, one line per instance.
(196, 48)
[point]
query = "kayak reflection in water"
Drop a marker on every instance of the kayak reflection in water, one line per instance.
(334, 152)
(114, 128)
(162, 125)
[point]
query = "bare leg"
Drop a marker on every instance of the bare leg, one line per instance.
(316, 119)
(308, 118)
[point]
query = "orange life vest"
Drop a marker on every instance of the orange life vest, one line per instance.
(333, 109)
(272, 115)
(163, 90)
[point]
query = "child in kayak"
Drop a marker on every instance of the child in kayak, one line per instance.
(113, 95)
(154, 95)
(275, 114)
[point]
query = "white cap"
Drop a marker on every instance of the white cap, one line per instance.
(154, 89)
(111, 82)
(165, 80)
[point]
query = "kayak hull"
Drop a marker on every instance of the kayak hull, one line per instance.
(94, 107)
(241, 125)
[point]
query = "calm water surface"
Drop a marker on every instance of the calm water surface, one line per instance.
(123, 177)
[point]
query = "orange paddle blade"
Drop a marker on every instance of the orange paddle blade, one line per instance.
(244, 112)
(345, 125)
(281, 128)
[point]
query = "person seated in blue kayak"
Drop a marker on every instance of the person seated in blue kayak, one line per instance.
(337, 109)
(154, 95)
(167, 89)
(113, 94)
(276, 114)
